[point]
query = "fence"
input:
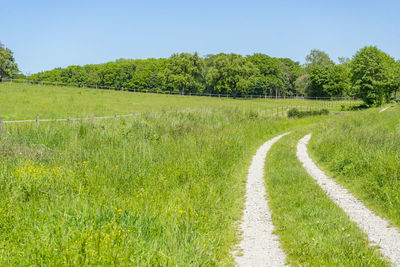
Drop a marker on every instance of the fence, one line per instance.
(265, 96)
(272, 112)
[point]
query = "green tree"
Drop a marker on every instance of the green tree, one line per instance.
(290, 71)
(266, 65)
(397, 77)
(263, 85)
(318, 59)
(318, 78)
(149, 74)
(269, 79)
(344, 61)
(302, 84)
(337, 81)
(184, 72)
(229, 73)
(8, 67)
(372, 74)
(93, 78)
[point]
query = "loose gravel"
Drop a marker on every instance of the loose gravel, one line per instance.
(259, 246)
(378, 230)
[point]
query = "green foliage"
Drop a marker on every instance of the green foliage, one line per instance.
(184, 72)
(373, 75)
(290, 71)
(338, 81)
(266, 65)
(302, 84)
(318, 78)
(233, 74)
(229, 73)
(276, 76)
(8, 67)
(267, 81)
(318, 59)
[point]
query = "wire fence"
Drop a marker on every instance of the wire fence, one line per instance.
(268, 113)
(249, 96)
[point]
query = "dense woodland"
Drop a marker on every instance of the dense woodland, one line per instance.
(371, 75)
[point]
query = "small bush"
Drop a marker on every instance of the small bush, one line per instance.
(295, 113)
(353, 107)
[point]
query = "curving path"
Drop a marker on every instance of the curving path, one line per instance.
(377, 229)
(259, 246)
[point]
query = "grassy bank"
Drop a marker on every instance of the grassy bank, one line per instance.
(313, 231)
(361, 151)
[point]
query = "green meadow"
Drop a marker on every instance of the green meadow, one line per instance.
(166, 186)
(24, 101)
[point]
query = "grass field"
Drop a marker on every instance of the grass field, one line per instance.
(157, 189)
(167, 188)
(22, 101)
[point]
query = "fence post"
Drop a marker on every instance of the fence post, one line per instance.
(37, 122)
(115, 116)
(1, 127)
(69, 119)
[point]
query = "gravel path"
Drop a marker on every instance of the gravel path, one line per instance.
(377, 229)
(382, 110)
(259, 246)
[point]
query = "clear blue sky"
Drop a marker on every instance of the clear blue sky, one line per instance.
(46, 34)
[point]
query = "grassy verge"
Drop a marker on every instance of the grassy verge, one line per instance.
(362, 152)
(162, 189)
(313, 231)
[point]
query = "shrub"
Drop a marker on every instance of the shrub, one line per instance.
(295, 113)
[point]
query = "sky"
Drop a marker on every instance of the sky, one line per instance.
(46, 34)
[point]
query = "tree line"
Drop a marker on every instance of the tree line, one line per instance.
(371, 75)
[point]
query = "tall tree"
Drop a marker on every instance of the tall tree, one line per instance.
(302, 84)
(397, 77)
(290, 71)
(337, 81)
(184, 72)
(8, 67)
(318, 59)
(372, 75)
(230, 73)
(318, 78)
(269, 79)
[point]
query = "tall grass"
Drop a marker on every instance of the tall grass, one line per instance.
(362, 151)
(161, 189)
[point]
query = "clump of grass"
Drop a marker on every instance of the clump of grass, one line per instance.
(313, 231)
